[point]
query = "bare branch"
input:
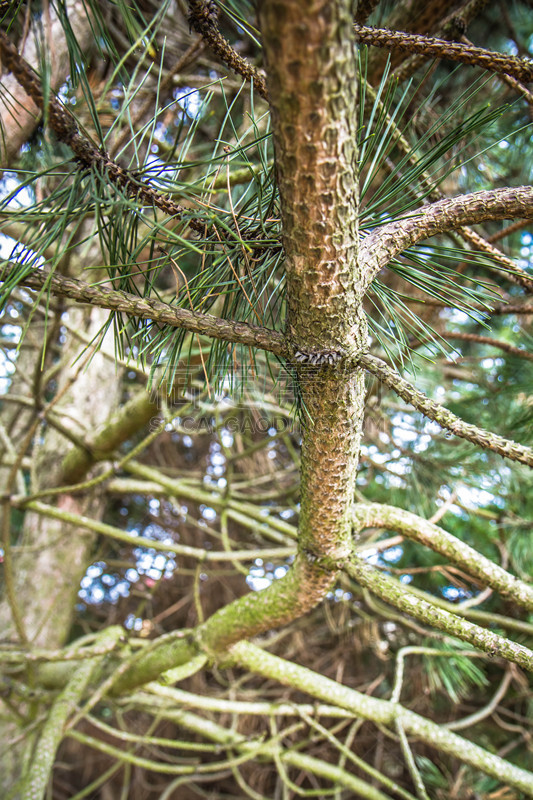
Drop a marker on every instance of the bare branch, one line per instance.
(261, 662)
(513, 272)
(455, 23)
(443, 416)
(503, 265)
(519, 68)
(155, 310)
(421, 530)
(445, 215)
(488, 340)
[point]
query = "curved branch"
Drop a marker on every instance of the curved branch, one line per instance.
(388, 241)
(519, 68)
(203, 18)
(86, 151)
(513, 272)
(249, 656)
(155, 310)
(451, 28)
(421, 530)
(443, 416)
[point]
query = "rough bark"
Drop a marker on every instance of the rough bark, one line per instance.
(311, 63)
(440, 48)
(390, 240)
(311, 67)
(149, 308)
(421, 530)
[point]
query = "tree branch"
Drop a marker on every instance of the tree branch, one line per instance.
(398, 596)
(504, 265)
(519, 68)
(19, 113)
(488, 340)
(86, 151)
(455, 23)
(442, 416)
(250, 657)
(36, 779)
(375, 515)
(512, 271)
(154, 310)
(203, 18)
(386, 242)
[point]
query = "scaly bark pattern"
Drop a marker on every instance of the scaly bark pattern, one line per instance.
(520, 68)
(312, 82)
(390, 240)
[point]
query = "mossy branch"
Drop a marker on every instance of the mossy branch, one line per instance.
(260, 662)
(421, 530)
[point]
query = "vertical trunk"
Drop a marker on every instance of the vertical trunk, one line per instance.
(51, 557)
(312, 67)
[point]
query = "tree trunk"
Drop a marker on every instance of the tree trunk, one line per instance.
(52, 557)
(312, 69)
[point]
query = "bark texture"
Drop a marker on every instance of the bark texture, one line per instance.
(390, 240)
(311, 66)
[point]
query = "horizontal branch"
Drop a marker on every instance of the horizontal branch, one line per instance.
(488, 340)
(154, 310)
(397, 595)
(443, 416)
(250, 657)
(102, 528)
(520, 307)
(421, 530)
(384, 243)
(520, 68)
(249, 748)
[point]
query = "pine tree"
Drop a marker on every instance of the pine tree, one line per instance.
(257, 229)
